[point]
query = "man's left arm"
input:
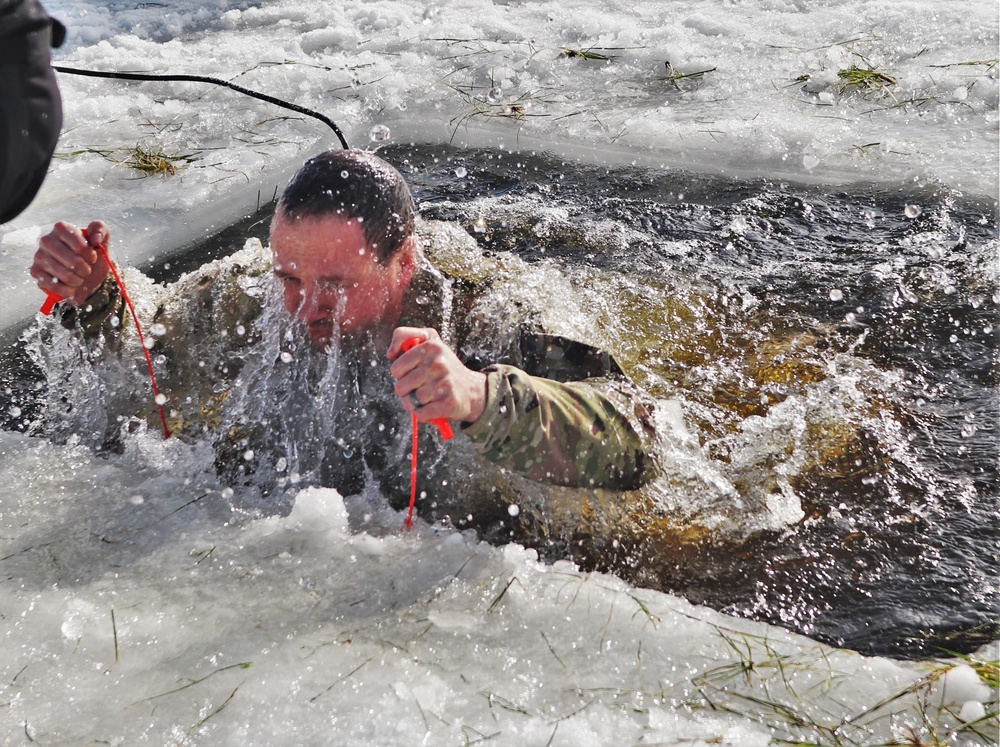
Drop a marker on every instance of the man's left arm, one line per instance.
(578, 434)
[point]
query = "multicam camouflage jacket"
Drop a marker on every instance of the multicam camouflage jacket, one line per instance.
(232, 367)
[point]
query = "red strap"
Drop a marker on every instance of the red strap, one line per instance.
(52, 299)
(444, 428)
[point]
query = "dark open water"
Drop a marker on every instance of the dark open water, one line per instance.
(840, 346)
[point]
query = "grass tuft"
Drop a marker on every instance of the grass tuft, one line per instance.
(868, 80)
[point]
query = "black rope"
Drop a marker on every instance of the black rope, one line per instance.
(204, 79)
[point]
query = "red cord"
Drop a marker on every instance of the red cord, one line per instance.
(444, 428)
(52, 299)
(413, 476)
(142, 341)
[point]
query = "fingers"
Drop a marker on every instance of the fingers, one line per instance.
(67, 264)
(431, 380)
(401, 337)
(98, 233)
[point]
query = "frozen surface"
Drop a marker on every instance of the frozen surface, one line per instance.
(147, 612)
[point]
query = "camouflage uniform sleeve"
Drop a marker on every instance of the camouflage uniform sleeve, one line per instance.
(578, 434)
(102, 311)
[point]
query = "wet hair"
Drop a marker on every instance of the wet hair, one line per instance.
(354, 184)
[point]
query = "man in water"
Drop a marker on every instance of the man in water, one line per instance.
(31, 110)
(352, 275)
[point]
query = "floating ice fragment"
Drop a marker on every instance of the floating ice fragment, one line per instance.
(286, 357)
(136, 500)
(962, 684)
(379, 133)
(912, 211)
(281, 464)
(479, 226)
(15, 411)
(961, 93)
(810, 161)
(972, 710)
(158, 330)
(836, 294)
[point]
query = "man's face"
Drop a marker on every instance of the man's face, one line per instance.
(331, 281)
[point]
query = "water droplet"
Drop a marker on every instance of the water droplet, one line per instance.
(953, 338)
(148, 343)
(912, 211)
(161, 399)
(248, 455)
(513, 509)
(379, 133)
(461, 172)
(281, 464)
(479, 226)
(136, 500)
(157, 330)
(355, 81)
(344, 174)
(15, 411)
(294, 478)
(836, 294)
(286, 357)
(494, 95)
(227, 493)
(240, 330)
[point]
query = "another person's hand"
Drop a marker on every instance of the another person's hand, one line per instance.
(431, 374)
(68, 264)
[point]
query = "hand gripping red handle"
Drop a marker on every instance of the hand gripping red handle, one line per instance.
(443, 426)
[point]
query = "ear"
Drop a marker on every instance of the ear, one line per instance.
(407, 258)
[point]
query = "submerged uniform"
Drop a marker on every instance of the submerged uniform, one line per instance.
(558, 412)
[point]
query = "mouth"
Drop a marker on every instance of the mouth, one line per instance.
(321, 332)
